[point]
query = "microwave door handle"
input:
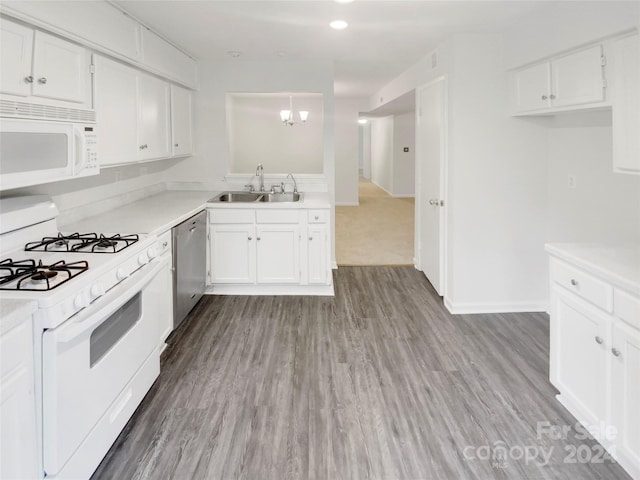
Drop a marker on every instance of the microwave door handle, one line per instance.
(104, 306)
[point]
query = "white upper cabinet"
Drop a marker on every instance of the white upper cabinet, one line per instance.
(16, 49)
(132, 114)
(181, 124)
(626, 104)
(561, 83)
(167, 60)
(36, 64)
(153, 118)
(60, 69)
(116, 112)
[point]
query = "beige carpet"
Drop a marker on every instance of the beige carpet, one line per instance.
(377, 232)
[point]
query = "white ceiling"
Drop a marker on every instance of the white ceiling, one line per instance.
(383, 39)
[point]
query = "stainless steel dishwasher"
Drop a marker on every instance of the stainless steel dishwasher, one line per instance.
(189, 264)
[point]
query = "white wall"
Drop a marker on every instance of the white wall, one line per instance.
(604, 206)
(404, 163)
(257, 135)
(347, 151)
(382, 152)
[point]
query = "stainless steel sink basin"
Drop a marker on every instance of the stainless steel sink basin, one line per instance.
(281, 197)
(250, 197)
(235, 197)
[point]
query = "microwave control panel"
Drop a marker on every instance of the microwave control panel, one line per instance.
(91, 164)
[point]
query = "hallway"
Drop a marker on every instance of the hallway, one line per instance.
(380, 231)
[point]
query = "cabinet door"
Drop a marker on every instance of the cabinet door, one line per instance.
(626, 104)
(579, 359)
(116, 112)
(278, 254)
(625, 391)
(16, 50)
(232, 252)
(578, 78)
(60, 69)
(153, 139)
(180, 121)
(318, 260)
(531, 87)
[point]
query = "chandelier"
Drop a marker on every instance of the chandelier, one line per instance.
(287, 115)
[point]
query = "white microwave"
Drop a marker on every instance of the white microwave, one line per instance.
(36, 151)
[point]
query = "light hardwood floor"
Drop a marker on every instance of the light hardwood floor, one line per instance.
(379, 382)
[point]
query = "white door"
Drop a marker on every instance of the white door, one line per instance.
(153, 113)
(430, 158)
(60, 69)
(233, 253)
(16, 49)
(278, 254)
(180, 121)
(116, 112)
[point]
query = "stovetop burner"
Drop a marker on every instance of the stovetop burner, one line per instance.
(85, 242)
(32, 276)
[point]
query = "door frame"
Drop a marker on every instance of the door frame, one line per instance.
(421, 197)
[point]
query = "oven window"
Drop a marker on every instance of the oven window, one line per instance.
(114, 328)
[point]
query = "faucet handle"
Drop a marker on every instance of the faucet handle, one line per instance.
(251, 187)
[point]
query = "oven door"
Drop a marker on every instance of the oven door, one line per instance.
(88, 360)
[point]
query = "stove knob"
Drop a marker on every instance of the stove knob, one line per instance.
(121, 273)
(80, 302)
(143, 259)
(152, 252)
(97, 290)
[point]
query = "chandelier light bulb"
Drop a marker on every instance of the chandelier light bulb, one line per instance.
(338, 24)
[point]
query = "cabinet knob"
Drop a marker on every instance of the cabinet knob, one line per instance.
(544, 97)
(616, 352)
(28, 79)
(42, 80)
(310, 238)
(317, 217)
(574, 282)
(141, 147)
(176, 145)
(258, 238)
(599, 340)
(250, 238)
(552, 96)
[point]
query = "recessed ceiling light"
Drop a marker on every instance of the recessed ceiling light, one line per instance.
(234, 53)
(338, 24)
(362, 121)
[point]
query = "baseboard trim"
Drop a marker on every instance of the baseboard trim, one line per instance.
(508, 307)
(347, 204)
(404, 195)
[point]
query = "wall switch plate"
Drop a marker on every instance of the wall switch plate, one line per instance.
(572, 181)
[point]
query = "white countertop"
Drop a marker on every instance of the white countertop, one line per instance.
(618, 265)
(14, 312)
(158, 213)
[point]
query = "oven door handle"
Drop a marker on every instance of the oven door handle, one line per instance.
(98, 311)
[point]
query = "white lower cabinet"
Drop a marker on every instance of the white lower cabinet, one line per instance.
(268, 251)
(18, 458)
(595, 358)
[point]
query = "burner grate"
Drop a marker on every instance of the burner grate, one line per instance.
(27, 275)
(85, 242)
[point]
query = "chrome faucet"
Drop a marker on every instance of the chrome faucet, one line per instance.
(260, 173)
(295, 184)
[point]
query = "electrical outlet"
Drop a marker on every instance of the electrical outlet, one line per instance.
(118, 175)
(572, 181)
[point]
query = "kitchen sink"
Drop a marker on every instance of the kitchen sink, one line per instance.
(281, 197)
(250, 197)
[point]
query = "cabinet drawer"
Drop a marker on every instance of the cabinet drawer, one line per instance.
(278, 216)
(627, 308)
(582, 284)
(231, 215)
(318, 216)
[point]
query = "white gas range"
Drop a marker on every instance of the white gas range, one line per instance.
(101, 299)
